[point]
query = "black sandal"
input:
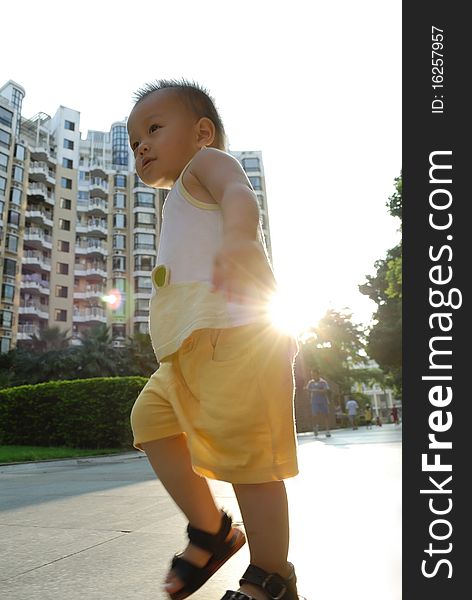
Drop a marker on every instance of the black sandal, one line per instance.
(273, 584)
(194, 577)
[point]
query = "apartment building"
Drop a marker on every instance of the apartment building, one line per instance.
(77, 225)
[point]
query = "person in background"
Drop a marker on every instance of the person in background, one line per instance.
(368, 416)
(352, 407)
(318, 388)
(394, 413)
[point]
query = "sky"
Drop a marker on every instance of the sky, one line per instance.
(315, 86)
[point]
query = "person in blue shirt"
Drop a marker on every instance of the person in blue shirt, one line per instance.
(318, 389)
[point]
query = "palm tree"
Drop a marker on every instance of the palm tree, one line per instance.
(50, 338)
(142, 360)
(97, 357)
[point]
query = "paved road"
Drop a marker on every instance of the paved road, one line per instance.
(105, 529)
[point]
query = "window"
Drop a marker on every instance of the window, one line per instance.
(15, 196)
(11, 243)
(120, 180)
(8, 292)
(83, 176)
(67, 163)
(144, 240)
(69, 125)
(65, 203)
(142, 262)
(5, 138)
(121, 310)
(146, 219)
(60, 315)
(119, 221)
(141, 328)
(119, 201)
(84, 195)
(61, 291)
(62, 268)
(256, 183)
(63, 246)
(66, 183)
(119, 242)
(3, 184)
(119, 263)
(5, 344)
(144, 199)
(64, 224)
(118, 331)
(3, 161)
(141, 308)
(20, 152)
(251, 164)
(6, 116)
(13, 218)
(9, 267)
(142, 285)
(6, 318)
(18, 173)
(69, 144)
(119, 283)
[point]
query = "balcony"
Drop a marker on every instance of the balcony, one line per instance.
(34, 283)
(41, 152)
(97, 169)
(99, 187)
(41, 216)
(91, 270)
(41, 191)
(89, 315)
(27, 330)
(97, 205)
(34, 309)
(36, 237)
(97, 226)
(89, 291)
(36, 260)
(91, 248)
(41, 172)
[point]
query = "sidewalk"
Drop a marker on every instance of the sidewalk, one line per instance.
(105, 529)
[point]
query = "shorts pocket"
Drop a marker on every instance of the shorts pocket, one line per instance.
(232, 343)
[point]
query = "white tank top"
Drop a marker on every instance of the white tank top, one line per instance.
(191, 235)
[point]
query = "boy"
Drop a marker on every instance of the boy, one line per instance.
(221, 403)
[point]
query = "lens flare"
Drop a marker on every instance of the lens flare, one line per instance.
(113, 299)
(293, 312)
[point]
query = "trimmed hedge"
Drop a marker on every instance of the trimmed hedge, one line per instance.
(83, 413)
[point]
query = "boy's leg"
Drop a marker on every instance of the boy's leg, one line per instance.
(170, 459)
(264, 509)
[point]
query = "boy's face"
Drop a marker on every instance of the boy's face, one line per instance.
(162, 135)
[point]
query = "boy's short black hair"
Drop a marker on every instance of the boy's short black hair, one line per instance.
(196, 97)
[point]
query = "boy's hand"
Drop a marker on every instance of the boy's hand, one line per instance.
(241, 270)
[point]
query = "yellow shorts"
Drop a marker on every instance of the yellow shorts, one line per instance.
(231, 392)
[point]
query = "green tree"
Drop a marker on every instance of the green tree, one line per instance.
(384, 339)
(50, 338)
(96, 355)
(141, 359)
(336, 345)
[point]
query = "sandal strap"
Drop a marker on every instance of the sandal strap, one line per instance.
(211, 542)
(230, 595)
(273, 584)
(184, 569)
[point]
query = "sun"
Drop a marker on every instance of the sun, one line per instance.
(293, 311)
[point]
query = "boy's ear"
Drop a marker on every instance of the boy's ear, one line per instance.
(206, 131)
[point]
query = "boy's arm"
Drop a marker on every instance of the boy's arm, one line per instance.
(241, 262)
